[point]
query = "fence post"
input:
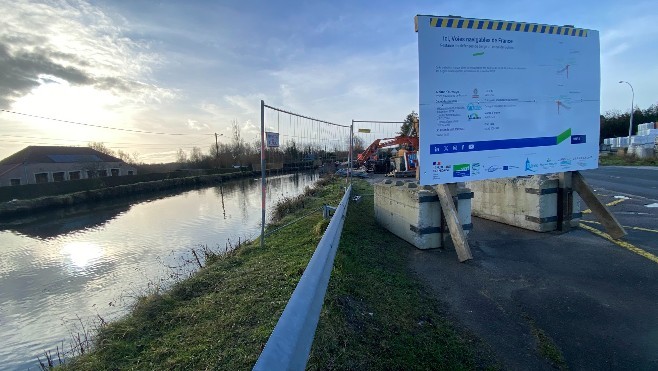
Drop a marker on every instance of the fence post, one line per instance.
(349, 158)
(262, 172)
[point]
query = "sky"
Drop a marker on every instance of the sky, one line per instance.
(171, 74)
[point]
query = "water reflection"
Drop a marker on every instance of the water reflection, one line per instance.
(49, 224)
(58, 265)
(80, 255)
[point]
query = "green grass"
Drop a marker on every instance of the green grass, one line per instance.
(376, 315)
(617, 160)
(546, 346)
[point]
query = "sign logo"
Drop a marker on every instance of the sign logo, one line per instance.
(473, 107)
(461, 170)
(438, 168)
(529, 166)
(475, 93)
(475, 168)
(473, 116)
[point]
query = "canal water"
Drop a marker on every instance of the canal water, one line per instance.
(62, 270)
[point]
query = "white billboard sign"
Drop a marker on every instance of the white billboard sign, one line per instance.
(502, 99)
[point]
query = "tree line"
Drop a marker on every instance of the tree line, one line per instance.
(238, 152)
(615, 123)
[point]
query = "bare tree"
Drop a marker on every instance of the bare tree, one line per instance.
(237, 143)
(358, 144)
(101, 147)
(181, 156)
(196, 156)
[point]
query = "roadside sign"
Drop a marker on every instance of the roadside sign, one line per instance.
(502, 99)
(272, 139)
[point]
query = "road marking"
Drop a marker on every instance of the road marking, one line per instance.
(613, 203)
(623, 244)
(625, 226)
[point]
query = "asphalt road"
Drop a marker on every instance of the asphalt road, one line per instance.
(590, 302)
(632, 196)
(640, 181)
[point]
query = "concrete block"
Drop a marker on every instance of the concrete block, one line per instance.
(525, 202)
(413, 212)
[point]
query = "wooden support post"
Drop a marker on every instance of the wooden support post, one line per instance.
(454, 226)
(615, 230)
(564, 201)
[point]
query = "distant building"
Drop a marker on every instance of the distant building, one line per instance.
(45, 164)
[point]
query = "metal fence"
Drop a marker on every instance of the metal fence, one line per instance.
(289, 345)
(366, 132)
(288, 137)
(301, 142)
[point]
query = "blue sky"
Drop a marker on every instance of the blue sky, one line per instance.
(193, 67)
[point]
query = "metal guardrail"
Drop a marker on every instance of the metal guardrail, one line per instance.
(289, 345)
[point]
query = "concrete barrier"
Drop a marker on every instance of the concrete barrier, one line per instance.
(525, 202)
(641, 151)
(413, 212)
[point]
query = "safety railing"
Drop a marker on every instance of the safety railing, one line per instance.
(290, 343)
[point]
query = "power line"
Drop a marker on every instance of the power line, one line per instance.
(96, 126)
(89, 141)
(163, 146)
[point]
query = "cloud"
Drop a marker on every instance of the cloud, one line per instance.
(196, 125)
(75, 42)
(20, 73)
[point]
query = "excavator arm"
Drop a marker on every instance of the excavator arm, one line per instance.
(411, 142)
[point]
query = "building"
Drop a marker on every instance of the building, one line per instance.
(45, 164)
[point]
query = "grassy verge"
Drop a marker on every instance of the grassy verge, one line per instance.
(627, 161)
(376, 316)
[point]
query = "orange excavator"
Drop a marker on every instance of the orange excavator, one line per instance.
(402, 164)
(405, 161)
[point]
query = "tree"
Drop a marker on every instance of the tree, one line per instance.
(408, 126)
(358, 144)
(101, 147)
(237, 143)
(181, 156)
(615, 124)
(196, 156)
(128, 158)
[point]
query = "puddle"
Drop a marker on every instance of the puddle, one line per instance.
(622, 197)
(652, 205)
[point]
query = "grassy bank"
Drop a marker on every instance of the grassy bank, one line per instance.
(615, 160)
(376, 316)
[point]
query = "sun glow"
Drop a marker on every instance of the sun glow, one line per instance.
(58, 99)
(80, 255)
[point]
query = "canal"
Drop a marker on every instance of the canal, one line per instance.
(63, 270)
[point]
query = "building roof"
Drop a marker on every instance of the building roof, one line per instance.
(57, 154)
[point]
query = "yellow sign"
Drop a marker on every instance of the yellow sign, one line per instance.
(364, 130)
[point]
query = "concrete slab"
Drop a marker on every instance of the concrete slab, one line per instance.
(413, 212)
(526, 202)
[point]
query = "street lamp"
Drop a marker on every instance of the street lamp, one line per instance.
(630, 126)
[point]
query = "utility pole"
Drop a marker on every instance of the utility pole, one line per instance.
(217, 150)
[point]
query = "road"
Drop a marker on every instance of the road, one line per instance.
(632, 196)
(573, 300)
(640, 181)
